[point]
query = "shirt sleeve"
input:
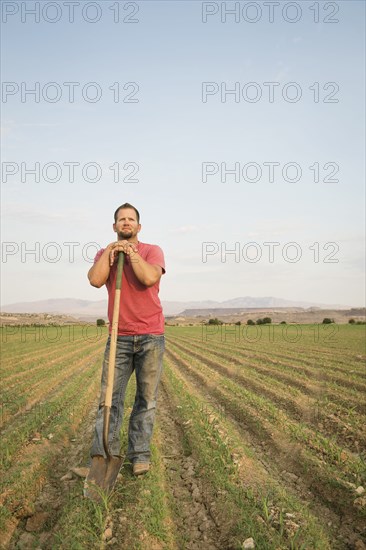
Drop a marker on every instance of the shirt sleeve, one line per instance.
(155, 256)
(98, 255)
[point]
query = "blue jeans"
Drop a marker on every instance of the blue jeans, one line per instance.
(144, 355)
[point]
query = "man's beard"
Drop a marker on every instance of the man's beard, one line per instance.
(125, 234)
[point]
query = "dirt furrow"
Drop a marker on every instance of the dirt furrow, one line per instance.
(42, 351)
(58, 377)
(308, 434)
(292, 348)
(40, 347)
(286, 360)
(14, 444)
(257, 474)
(313, 387)
(37, 520)
(41, 406)
(259, 386)
(45, 361)
(194, 523)
(281, 454)
(303, 384)
(303, 408)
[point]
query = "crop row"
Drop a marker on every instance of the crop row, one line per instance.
(312, 454)
(33, 391)
(303, 400)
(302, 361)
(311, 382)
(243, 493)
(23, 478)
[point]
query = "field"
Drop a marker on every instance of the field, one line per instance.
(260, 434)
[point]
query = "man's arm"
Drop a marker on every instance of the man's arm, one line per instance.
(147, 274)
(99, 272)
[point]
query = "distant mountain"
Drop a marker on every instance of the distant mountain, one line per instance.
(87, 309)
(81, 309)
(174, 308)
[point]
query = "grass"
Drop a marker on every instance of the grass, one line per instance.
(241, 506)
(227, 396)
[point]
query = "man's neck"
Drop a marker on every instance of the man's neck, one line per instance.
(131, 240)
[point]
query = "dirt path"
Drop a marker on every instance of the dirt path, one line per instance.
(38, 522)
(192, 508)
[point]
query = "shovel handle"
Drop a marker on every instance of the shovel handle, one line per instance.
(112, 353)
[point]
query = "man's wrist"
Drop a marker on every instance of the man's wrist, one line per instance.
(135, 256)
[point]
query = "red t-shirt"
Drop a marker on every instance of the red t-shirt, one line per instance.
(140, 308)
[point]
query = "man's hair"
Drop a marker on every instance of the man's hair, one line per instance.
(127, 205)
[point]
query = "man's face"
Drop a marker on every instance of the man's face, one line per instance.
(126, 225)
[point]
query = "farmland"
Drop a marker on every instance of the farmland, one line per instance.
(260, 434)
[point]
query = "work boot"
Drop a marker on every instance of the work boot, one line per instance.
(140, 468)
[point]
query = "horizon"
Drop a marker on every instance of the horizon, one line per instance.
(309, 304)
(243, 148)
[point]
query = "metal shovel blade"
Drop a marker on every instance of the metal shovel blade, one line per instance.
(113, 468)
(94, 482)
(102, 477)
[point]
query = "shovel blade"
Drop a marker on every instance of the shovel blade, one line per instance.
(113, 468)
(93, 486)
(102, 477)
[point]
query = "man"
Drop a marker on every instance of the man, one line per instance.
(140, 340)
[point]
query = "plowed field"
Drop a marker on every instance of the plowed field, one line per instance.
(260, 434)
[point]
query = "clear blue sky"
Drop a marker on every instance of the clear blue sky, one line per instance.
(170, 132)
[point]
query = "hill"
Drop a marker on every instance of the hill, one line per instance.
(90, 310)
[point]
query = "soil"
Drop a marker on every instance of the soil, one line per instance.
(283, 460)
(40, 516)
(196, 522)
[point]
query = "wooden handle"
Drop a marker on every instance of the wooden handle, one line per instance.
(112, 352)
(114, 332)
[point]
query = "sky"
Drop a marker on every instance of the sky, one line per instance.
(236, 128)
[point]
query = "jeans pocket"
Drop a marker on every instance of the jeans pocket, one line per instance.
(158, 340)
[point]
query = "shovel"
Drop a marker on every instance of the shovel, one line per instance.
(104, 471)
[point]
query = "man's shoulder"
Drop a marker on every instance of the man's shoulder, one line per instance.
(98, 254)
(147, 246)
(152, 253)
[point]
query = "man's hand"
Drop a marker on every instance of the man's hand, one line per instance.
(121, 246)
(147, 274)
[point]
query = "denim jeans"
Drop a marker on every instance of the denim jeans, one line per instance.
(144, 355)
